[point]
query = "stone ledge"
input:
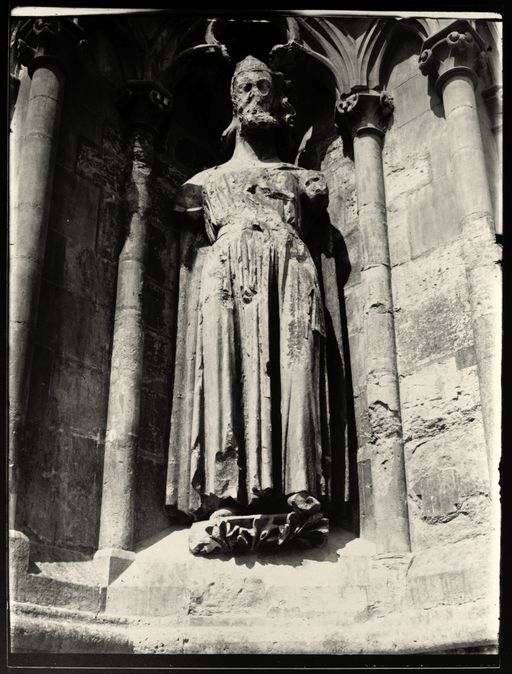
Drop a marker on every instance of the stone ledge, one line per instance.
(354, 601)
(413, 631)
(46, 591)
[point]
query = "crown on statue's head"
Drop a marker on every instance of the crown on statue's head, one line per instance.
(250, 63)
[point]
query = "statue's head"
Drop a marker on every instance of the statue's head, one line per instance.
(258, 96)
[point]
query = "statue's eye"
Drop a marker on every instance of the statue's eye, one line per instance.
(264, 86)
(247, 86)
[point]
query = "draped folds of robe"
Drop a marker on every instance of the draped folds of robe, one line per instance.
(250, 412)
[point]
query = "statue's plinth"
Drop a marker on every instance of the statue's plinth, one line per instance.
(245, 533)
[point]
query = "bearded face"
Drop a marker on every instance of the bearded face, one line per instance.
(253, 97)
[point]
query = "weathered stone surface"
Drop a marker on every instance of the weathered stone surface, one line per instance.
(80, 271)
(79, 593)
(454, 56)
(443, 629)
(19, 550)
(36, 630)
(454, 574)
(102, 169)
(77, 396)
(431, 308)
(407, 173)
(79, 500)
(64, 471)
(439, 396)
(74, 200)
(448, 485)
(81, 341)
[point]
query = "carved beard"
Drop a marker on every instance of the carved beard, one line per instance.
(253, 120)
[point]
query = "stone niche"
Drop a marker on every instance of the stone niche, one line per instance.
(146, 546)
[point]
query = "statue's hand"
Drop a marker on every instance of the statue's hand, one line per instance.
(315, 189)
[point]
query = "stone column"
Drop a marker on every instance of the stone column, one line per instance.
(362, 117)
(144, 105)
(44, 46)
(493, 96)
(452, 58)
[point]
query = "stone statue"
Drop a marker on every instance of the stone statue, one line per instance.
(249, 437)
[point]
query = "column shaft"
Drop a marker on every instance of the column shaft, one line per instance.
(481, 254)
(116, 527)
(387, 460)
(27, 242)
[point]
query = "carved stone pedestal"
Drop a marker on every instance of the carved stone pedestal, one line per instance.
(247, 533)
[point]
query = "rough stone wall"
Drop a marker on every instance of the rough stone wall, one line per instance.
(63, 461)
(62, 466)
(446, 464)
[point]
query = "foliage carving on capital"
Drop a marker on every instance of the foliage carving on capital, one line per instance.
(48, 40)
(455, 48)
(367, 110)
(144, 104)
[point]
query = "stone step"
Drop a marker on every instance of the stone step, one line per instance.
(79, 572)
(49, 591)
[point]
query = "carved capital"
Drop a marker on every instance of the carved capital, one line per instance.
(364, 111)
(456, 49)
(48, 41)
(144, 104)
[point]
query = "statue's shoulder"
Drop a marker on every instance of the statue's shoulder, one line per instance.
(189, 197)
(200, 178)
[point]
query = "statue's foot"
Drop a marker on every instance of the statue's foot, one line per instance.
(303, 503)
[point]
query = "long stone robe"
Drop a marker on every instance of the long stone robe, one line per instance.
(250, 406)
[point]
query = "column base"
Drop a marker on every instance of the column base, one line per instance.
(19, 549)
(111, 562)
(392, 536)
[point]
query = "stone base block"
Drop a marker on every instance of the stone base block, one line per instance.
(19, 549)
(336, 599)
(111, 563)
